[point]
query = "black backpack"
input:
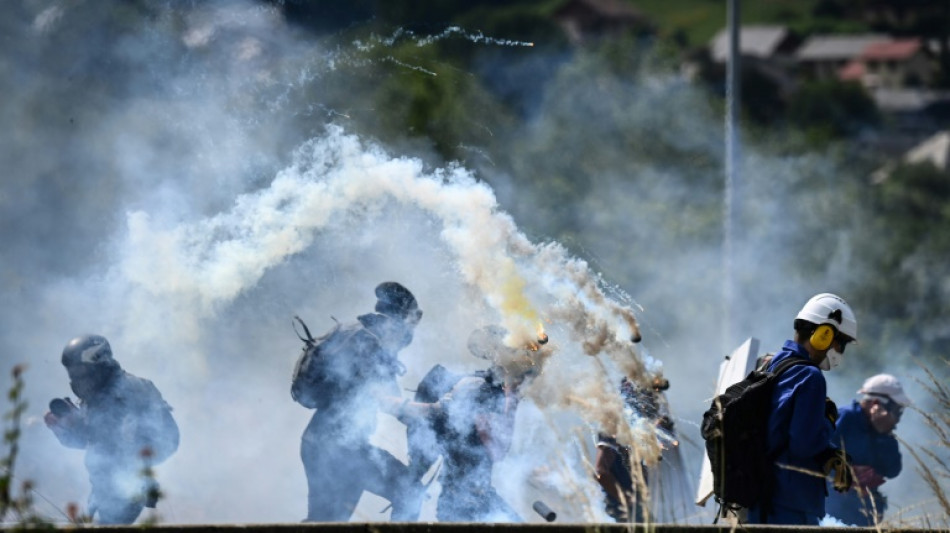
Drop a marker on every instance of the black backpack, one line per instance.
(311, 385)
(735, 428)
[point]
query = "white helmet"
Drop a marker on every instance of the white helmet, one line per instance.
(827, 308)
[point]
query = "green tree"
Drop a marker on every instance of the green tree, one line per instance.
(832, 109)
(424, 96)
(905, 243)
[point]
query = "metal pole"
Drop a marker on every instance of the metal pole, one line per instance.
(731, 204)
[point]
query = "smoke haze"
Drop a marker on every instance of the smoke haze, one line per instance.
(170, 185)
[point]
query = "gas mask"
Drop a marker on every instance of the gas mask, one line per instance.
(832, 359)
(86, 380)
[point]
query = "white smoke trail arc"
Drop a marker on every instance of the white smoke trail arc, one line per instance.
(208, 263)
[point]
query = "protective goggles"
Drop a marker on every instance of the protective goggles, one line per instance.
(889, 405)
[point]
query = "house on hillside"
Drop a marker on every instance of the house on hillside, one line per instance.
(821, 57)
(768, 49)
(891, 64)
(767, 43)
(582, 20)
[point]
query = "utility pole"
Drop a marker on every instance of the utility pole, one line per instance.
(732, 157)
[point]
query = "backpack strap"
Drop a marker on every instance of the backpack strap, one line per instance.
(790, 362)
(309, 340)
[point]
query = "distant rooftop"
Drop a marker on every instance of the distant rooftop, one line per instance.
(837, 47)
(754, 41)
(892, 50)
(935, 150)
(908, 100)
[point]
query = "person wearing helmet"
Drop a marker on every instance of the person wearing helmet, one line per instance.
(469, 421)
(339, 461)
(802, 417)
(865, 430)
(121, 421)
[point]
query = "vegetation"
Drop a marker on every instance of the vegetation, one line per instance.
(16, 506)
(933, 462)
(905, 239)
(832, 110)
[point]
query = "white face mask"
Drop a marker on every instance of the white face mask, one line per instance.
(832, 359)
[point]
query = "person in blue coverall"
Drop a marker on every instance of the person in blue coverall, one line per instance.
(865, 431)
(802, 417)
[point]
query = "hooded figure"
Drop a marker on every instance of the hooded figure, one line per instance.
(121, 421)
(362, 368)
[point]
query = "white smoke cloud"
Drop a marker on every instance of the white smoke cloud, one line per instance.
(338, 184)
(209, 218)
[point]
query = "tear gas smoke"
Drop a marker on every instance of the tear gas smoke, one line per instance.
(195, 250)
(149, 199)
(337, 178)
(176, 288)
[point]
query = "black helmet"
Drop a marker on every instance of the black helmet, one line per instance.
(396, 301)
(87, 349)
(89, 363)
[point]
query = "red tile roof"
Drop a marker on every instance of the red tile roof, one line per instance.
(891, 50)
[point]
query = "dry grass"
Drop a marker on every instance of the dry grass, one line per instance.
(931, 456)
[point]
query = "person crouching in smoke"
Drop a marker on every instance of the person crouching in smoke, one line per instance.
(121, 421)
(471, 426)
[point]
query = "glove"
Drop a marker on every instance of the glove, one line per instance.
(831, 413)
(867, 477)
(833, 459)
(62, 407)
(63, 414)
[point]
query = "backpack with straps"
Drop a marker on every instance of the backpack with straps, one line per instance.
(735, 428)
(312, 385)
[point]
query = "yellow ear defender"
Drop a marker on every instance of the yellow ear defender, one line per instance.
(822, 337)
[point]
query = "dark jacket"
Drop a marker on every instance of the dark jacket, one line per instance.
(123, 424)
(124, 417)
